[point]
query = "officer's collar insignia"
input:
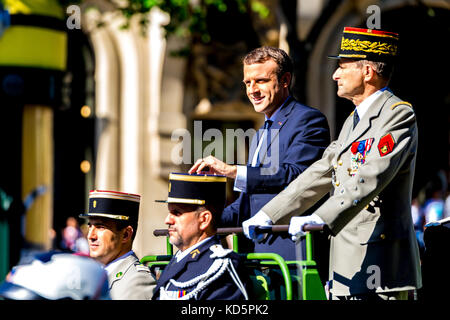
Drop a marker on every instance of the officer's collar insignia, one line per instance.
(119, 274)
(193, 253)
(386, 144)
(359, 149)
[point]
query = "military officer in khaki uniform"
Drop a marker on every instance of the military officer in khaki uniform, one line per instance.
(113, 220)
(369, 173)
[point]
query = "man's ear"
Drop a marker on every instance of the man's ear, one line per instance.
(205, 219)
(127, 233)
(368, 72)
(286, 79)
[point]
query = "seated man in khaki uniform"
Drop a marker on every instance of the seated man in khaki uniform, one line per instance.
(113, 219)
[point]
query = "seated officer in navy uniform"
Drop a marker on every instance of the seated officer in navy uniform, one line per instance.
(202, 269)
(113, 220)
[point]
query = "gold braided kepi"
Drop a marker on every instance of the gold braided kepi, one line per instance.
(368, 44)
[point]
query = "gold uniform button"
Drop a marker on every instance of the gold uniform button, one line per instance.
(337, 183)
(340, 162)
(382, 236)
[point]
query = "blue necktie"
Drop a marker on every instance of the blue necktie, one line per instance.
(267, 124)
(263, 142)
(355, 118)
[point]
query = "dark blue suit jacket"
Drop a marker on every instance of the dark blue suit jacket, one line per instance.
(298, 136)
(198, 262)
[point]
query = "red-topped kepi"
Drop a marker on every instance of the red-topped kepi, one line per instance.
(113, 205)
(368, 44)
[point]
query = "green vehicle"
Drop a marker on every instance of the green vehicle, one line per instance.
(273, 277)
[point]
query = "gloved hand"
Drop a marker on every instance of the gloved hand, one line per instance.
(259, 219)
(297, 223)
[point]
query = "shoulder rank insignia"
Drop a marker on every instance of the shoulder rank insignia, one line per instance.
(359, 149)
(399, 103)
(386, 144)
(141, 267)
(193, 253)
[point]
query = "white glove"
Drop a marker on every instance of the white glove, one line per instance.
(260, 219)
(297, 223)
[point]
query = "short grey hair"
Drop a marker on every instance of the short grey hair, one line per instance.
(383, 69)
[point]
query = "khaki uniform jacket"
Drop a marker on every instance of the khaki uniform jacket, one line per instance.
(130, 280)
(373, 245)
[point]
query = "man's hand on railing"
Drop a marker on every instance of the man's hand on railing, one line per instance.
(260, 219)
(296, 225)
(257, 230)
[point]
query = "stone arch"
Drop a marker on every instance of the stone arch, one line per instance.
(130, 111)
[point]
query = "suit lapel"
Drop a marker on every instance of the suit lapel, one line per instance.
(276, 126)
(278, 122)
(365, 123)
(171, 271)
(174, 268)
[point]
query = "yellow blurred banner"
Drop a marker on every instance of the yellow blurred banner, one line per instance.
(31, 40)
(28, 46)
(50, 8)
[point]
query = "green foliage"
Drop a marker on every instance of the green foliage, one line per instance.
(260, 8)
(187, 17)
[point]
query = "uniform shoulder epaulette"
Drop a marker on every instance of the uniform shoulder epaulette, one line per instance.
(219, 251)
(399, 103)
(141, 267)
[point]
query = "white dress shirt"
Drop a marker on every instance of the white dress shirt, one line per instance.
(240, 183)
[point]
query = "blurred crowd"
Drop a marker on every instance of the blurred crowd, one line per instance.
(432, 204)
(74, 237)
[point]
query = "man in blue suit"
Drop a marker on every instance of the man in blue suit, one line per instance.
(293, 137)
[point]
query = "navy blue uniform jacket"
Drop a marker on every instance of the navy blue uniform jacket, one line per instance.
(198, 262)
(299, 134)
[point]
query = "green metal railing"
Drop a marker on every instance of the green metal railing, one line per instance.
(308, 277)
(281, 263)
